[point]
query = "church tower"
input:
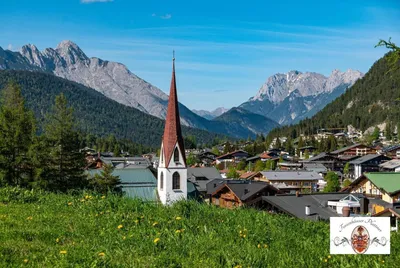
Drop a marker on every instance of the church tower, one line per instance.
(172, 170)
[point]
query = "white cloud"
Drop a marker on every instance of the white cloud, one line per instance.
(153, 15)
(10, 47)
(95, 1)
(166, 16)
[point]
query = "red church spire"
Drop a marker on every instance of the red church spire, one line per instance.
(172, 131)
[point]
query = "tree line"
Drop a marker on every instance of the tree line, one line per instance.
(52, 160)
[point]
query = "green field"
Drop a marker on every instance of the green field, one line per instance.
(87, 230)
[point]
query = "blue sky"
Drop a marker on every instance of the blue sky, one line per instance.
(225, 50)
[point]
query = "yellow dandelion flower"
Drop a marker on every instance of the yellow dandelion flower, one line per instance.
(69, 203)
(120, 226)
(101, 212)
(101, 254)
(57, 240)
(178, 218)
(156, 240)
(265, 245)
(240, 231)
(63, 252)
(136, 221)
(383, 261)
(329, 256)
(177, 231)
(29, 218)
(103, 197)
(326, 260)
(124, 237)
(26, 261)
(244, 236)
(154, 224)
(259, 246)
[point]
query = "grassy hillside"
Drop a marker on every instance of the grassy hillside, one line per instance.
(95, 113)
(49, 230)
(372, 100)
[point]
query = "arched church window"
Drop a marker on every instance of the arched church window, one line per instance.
(161, 180)
(176, 155)
(176, 181)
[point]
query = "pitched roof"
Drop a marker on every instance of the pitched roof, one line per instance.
(243, 189)
(201, 176)
(345, 148)
(387, 181)
(290, 175)
(318, 157)
(249, 174)
(231, 153)
(316, 167)
(295, 206)
(391, 148)
(367, 158)
(394, 163)
(136, 183)
(172, 131)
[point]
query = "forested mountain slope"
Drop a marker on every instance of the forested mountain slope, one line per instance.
(95, 113)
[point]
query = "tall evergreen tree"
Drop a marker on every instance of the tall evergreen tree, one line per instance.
(17, 131)
(65, 162)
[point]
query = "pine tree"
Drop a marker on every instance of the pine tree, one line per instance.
(232, 173)
(65, 161)
(17, 131)
(105, 181)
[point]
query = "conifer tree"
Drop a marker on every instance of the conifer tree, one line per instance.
(105, 181)
(17, 131)
(65, 161)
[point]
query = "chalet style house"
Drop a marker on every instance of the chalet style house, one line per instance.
(355, 149)
(236, 193)
(385, 186)
(233, 157)
(367, 163)
(303, 180)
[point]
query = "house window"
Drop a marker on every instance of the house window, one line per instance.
(162, 180)
(176, 155)
(176, 184)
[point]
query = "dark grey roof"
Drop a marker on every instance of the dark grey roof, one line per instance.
(316, 167)
(391, 148)
(290, 175)
(366, 158)
(242, 188)
(295, 206)
(201, 176)
(345, 148)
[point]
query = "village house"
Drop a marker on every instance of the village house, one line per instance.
(305, 180)
(198, 178)
(394, 214)
(367, 163)
(287, 166)
(232, 157)
(310, 150)
(392, 151)
(381, 185)
(251, 175)
(390, 166)
(118, 162)
(237, 193)
(355, 149)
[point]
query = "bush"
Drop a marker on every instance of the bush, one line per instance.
(19, 195)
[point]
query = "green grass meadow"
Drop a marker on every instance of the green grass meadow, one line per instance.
(40, 229)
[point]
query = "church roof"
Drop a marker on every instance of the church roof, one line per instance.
(172, 131)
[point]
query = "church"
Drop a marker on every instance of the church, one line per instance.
(172, 169)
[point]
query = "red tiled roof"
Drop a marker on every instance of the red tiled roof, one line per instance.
(172, 130)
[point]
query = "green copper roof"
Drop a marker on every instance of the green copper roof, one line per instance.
(387, 181)
(136, 182)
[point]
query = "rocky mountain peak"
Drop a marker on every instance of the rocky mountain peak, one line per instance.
(71, 52)
(33, 55)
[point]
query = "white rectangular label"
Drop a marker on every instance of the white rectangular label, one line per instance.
(360, 235)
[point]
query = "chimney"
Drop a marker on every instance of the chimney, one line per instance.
(308, 210)
(346, 211)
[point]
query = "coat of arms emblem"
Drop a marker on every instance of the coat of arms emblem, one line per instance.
(360, 239)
